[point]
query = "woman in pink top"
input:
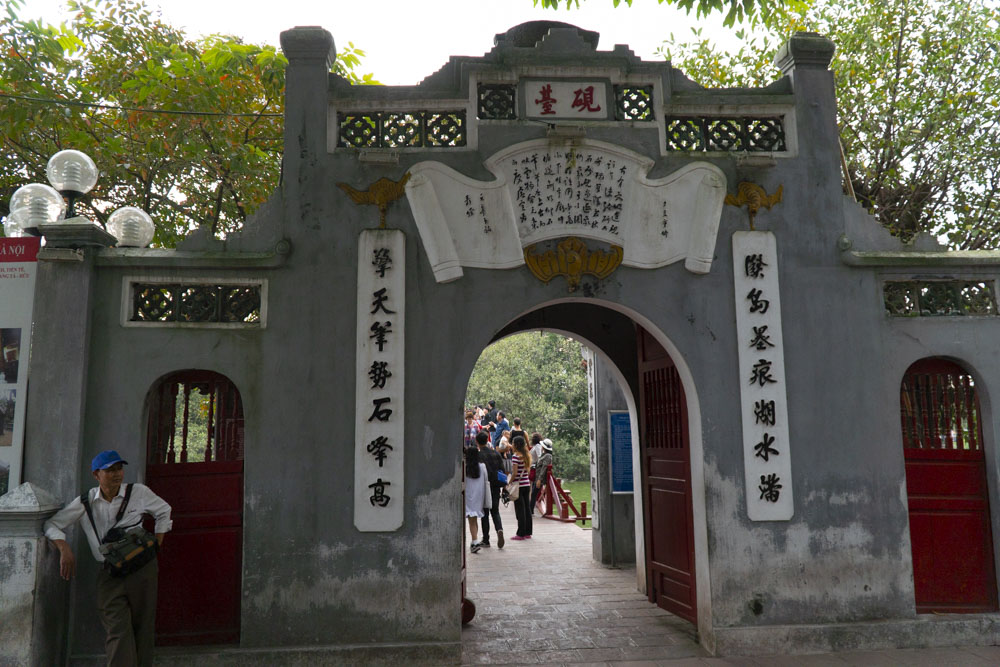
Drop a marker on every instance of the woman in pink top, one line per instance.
(521, 462)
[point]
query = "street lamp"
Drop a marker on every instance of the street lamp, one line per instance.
(38, 209)
(131, 226)
(73, 174)
(32, 205)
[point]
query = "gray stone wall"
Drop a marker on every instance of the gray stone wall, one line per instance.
(309, 577)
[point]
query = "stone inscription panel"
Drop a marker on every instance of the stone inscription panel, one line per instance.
(568, 191)
(764, 404)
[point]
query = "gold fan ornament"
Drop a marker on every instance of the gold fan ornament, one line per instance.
(572, 259)
(381, 193)
(754, 198)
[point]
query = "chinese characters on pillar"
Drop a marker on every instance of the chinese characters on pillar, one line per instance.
(590, 357)
(378, 447)
(566, 100)
(764, 405)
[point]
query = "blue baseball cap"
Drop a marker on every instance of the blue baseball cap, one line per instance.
(106, 459)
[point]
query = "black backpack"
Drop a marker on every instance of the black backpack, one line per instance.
(491, 459)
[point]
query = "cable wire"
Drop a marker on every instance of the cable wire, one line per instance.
(94, 105)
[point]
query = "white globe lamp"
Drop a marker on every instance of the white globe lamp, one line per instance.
(131, 226)
(32, 205)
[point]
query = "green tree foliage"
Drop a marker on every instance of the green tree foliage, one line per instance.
(918, 89)
(541, 378)
(210, 154)
(737, 11)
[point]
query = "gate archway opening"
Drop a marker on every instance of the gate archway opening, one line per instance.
(671, 542)
(194, 461)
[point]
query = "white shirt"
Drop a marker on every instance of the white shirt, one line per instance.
(536, 451)
(142, 501)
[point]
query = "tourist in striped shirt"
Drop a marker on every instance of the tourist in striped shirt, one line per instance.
(521, 462)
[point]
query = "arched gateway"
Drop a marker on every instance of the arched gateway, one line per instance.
(757, 320)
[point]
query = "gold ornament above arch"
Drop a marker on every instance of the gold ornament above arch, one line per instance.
(572, 259)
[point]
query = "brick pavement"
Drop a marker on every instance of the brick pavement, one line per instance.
(545, 601)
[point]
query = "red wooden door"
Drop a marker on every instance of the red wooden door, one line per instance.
(950, 533)
(201, 561)
(666, 479)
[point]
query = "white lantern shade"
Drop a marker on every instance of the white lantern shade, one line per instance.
(71, 171)
(131, 226)
(32, 205)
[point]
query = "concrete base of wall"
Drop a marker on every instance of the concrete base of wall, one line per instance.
(379, 655)
(925, 631)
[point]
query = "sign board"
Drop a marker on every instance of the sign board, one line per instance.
(763, 399)
(379, 415)
(620, 445)
(545, 190)
(18, 262)
(551, 99)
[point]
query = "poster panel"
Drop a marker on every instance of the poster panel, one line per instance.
(620, 444)
(18, 260)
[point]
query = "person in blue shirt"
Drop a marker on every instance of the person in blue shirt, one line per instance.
(502, 425)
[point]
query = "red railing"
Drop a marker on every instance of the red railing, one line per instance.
(554, 498)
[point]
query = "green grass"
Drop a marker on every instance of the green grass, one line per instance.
(580, 491)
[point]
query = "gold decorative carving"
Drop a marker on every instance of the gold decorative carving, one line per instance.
(380, 193)
(754, 198)
(572, 258)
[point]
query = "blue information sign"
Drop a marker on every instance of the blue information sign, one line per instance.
(620, 435)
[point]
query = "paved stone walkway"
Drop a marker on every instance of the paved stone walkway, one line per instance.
(545, 601)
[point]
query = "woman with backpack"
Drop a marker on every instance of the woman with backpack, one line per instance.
(477, 493)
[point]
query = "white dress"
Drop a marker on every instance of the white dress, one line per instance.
(477, 493)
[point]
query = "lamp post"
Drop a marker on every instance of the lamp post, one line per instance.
(49, 211)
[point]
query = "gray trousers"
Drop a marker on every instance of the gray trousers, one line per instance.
(127, 607)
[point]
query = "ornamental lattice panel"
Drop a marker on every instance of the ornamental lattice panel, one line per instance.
(939, 298)
(764, 134)
(497, 101)
(634, 103)
(169, 303)
(402, 129)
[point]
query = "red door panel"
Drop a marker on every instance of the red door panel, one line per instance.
(195, 463)
(950, 532)
(201, 564)
(666, 474)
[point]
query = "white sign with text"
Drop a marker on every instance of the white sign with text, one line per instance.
(763, 398)
(546, 189)
(379, 415)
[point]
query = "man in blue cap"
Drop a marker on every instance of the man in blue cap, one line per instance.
(110, 512)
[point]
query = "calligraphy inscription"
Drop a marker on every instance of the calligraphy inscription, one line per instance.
(568, 190)
(764, 410)
(379, 421)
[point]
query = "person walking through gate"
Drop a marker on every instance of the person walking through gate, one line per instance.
(494, 464)
(127, 581)
(541, 473)
(521, 461)
(477, 495)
